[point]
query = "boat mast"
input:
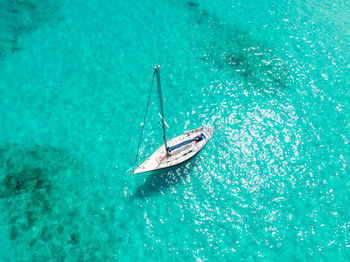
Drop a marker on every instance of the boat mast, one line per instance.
(156, 69)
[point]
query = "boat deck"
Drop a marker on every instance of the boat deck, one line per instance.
(160, 160)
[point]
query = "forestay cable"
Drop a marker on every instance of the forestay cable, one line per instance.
(144, 122)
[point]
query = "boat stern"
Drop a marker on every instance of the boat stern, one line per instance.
(208, 130)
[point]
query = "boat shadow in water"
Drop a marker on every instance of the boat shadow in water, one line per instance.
(159, 181)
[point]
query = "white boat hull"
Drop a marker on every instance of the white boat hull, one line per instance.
(159, 159)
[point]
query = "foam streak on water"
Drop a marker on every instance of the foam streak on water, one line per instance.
(272, 184)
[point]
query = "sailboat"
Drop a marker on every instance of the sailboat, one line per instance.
(179, 149)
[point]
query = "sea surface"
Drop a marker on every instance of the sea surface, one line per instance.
(272, 184)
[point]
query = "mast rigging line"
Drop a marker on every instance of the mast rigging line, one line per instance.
(144, 121)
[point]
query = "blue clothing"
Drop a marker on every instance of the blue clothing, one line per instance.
(197, 139)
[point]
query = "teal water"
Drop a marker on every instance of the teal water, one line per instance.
(271, 185)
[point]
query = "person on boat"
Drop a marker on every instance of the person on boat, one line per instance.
(200, 137)
(196, 139)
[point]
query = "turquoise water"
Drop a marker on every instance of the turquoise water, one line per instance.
(271, 185)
